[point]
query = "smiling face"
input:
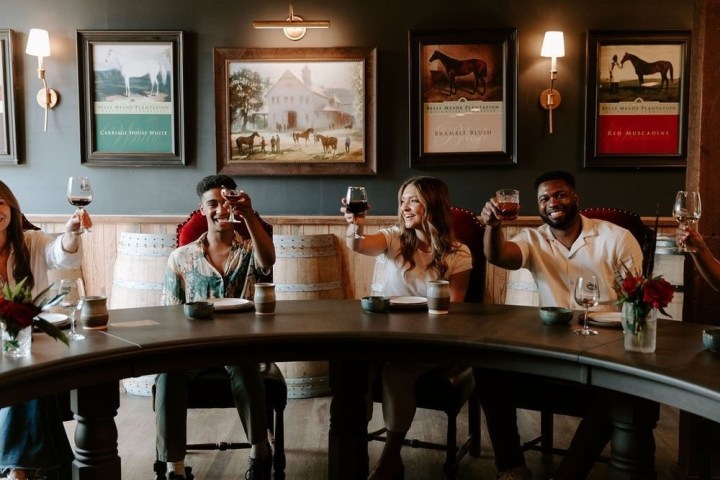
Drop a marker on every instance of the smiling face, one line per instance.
(412, 209)
(212, 207)
(5, 215)
(557, 203)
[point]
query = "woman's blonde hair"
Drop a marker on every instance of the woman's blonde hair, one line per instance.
(434, 195)
(16, 238)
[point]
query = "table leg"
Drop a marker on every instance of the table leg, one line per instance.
(633, 443)
(348, 453)
(96, 453)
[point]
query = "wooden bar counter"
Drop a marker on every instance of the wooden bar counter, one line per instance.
(509, 338)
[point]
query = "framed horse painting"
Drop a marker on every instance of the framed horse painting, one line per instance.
(8, 140)
(295, 111)
(637, 99)
(131, 98)
(463, 97)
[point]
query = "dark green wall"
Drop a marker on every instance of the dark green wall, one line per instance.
(48, 158)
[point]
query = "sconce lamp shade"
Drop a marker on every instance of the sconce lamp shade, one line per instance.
(553, 45)
(38, 43)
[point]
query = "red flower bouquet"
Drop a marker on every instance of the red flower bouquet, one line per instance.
(644, 293)
(19, 310)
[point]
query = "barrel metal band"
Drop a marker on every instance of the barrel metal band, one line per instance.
(132, 251)
(137, 285)
(291, 253)
(307, 287)
(528, 287)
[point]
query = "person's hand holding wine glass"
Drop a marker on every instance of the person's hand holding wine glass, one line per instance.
(238, 202)
(687, 210)
(355, 205)
(80, 194)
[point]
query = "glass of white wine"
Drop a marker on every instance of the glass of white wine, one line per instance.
(587, 294)
(687, 210)
(70, 303)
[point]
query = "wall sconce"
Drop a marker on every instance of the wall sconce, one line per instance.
(553, 46)
(38, 44)
(294, 27)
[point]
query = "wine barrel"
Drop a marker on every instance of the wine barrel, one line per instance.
(140, 269)
(521, 288)
(307, 267)
(137, 282)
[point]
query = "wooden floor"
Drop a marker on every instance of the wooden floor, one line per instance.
(306, 443)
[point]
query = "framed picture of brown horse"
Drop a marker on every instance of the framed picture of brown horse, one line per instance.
(295, 111)
(463, 97)
(637, 98)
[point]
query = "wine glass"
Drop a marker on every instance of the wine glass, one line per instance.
(687, 211)
(79, 194)
(356, 203)
(587, 294)
(71, 302)
(231, 195)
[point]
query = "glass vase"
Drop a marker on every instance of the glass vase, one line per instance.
(640, 328)
(16, 346)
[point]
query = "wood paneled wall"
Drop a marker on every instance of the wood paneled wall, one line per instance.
(100, 245)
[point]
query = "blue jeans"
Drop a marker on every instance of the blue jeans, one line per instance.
(32, 437)
(248, 392)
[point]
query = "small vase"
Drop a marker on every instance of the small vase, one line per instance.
(640, 330)
(16, 346)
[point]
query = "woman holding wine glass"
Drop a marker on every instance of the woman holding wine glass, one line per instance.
(419, 248)
(32, 437)
(706, 263)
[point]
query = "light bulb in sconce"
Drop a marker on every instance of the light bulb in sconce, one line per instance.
(38, 45)
(294, 27)
(553, 47)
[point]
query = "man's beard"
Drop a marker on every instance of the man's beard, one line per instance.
(571, 211)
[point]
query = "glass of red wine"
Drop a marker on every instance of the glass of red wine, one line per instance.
(356, 203)
(232, 196)
(79, 194)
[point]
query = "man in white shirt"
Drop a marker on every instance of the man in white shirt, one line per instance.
(568, 245)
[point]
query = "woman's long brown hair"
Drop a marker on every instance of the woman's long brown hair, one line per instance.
(16, 238)
(434, 195)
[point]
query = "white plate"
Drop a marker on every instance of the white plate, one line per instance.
(603, 319)
(408, 302)
(230, 304)
(55, 318)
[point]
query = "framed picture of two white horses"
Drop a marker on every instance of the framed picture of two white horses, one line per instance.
(637, 99)
(131, 97)
(463, 97)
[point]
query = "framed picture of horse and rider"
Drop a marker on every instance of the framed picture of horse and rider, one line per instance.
(131, 97)
(463, 97)
(637, 98)
(295, 111)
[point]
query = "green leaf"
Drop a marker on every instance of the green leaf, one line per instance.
(52, 330)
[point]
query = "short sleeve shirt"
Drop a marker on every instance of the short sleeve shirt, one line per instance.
(601, 250)
(398, 281)
(190, 277)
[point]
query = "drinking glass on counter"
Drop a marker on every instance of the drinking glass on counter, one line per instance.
(70, 303)
(687, 210)
(508, 203)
